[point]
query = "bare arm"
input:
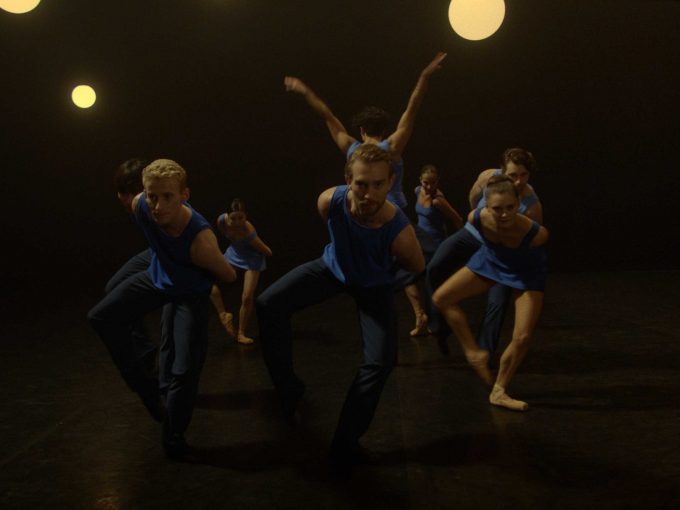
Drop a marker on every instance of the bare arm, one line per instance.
(535, 212)
(338, 132)
(205, 253)
(406, 249)
(443, 205)
(401, 135)
(258, 243)
(477, 189)
(323, 204)
(540, 238)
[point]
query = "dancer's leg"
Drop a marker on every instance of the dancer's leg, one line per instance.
(497, 304)
(528, 305)
(250, 279)
(226, 318)
(416, 299)
(463, 284)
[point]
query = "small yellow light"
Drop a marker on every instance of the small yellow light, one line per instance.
(83, 96)
(19, 6)
(476, 19)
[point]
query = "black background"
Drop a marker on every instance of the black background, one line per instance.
(592, 87)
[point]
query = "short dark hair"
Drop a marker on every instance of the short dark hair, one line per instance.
(374, 120)
(368, 153)
(519, 157)
(429, 169)
(127, 178)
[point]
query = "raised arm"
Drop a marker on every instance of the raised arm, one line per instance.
(477, 189)
(407, 251)
(338, 132)
(443, 205)
(401, 135)
(205, 253)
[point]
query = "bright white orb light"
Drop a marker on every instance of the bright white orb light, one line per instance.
(476, 19)
(18, 6)
(83, 96)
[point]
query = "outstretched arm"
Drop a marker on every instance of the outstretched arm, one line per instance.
(400, 137)
(323, 203)
(338, 132)
(205, 253)
(407, 251)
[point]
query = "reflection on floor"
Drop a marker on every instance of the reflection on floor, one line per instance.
(603, 430)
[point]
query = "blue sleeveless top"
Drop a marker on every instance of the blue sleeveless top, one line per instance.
(521, 268)
(171, 269)
(241, 253)
(430, 219)
(524, 204)
(359, 256)
(396, 193)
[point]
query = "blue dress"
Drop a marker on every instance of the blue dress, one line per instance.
(396, 193)
(522, 268)
(241, 253)
(431, 226)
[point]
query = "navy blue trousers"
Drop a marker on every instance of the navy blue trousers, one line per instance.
(184, 343)
(452, 254)
(312, 283)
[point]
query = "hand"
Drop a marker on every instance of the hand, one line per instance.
(435, 65)
(293, 84)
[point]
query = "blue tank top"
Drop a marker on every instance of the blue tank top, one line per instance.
(430, 219)
(359, 256)
(521, 268)
(241, 253)
(524, 204)
(171, 269)
(396, 193)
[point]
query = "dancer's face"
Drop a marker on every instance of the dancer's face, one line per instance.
(503, 208)
(429, 183)
(519, 175)
(165, 199)
(237, 219)
(369, 184)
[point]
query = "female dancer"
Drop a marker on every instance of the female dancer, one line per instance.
(247, 252)
(432, 210)
(512, 254)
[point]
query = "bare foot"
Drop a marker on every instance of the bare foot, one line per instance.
(243, 339)
(498, 397)
(479, 360)
(227, 321)
(421, 326)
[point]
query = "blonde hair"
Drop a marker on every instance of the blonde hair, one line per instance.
(368, 153)
(165, 169)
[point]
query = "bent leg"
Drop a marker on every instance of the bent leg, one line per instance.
(451, 255)
(528, 305)
(250, 279)
(303, 286)
(378, 322)
(463, 284)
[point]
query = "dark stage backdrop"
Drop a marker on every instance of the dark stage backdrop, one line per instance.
(592, 87)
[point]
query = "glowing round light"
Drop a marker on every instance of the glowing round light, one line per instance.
(18, 6)
(83, 96)
(476, 19)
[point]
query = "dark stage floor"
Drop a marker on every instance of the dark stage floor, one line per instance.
(603, 430)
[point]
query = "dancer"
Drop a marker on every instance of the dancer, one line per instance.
(455, 251)
(247, 252)
(367, 234)
(373, 123)
(512, 254)
(433, 211)
(185, 259)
